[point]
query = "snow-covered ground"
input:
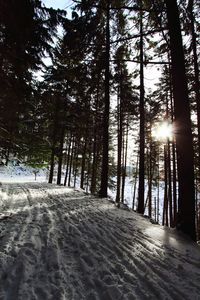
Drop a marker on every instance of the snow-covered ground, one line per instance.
(57, 243)
(22, 173)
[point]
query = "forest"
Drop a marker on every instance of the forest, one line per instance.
(90, 116)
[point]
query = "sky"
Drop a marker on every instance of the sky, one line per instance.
(62, 4)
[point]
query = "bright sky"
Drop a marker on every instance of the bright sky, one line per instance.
(62, 4)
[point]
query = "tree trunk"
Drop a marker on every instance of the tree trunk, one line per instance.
(94, 166)
(125, 161)
(54, 140)
(68, 159)
(165, 206)
(71, 162)
(104, 170)
(173, 159)
(83, 165)
(150, 179)
(135, 182)
(183, 133)
(119, 146)
(140, 208)
(196, 73)
(158, 187)
(171, 219)
(60, 155)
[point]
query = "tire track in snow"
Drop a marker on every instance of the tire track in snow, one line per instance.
(73, 246)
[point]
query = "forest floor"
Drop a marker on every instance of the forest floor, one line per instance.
(57, 243)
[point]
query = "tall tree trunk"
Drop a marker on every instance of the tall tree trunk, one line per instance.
(174, 183)
(119, 146)
(125, 161)
(171, 219)
(150, 178)
(60, 155)
(68, 159)
(95, 150)
(52, 164)
(173, 158)
(88, 169)
(94, 165)
(196, 72)
(140, 208)
(83, 165)
(165, 206)
(105, 158)
(183, 132)
(75, 168)
(168, 165)
(71, 162)
(135, 182)
(54, 140)
(158, 187)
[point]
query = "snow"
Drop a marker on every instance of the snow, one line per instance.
(22, 173)
(59, 243)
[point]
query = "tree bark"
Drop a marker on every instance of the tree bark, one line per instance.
(183, 132)
(104, 170)
(196, 73)
(60, 155)
(83, 165)
(54, 140)
(140, 208)
(71, 162)
(119, 146)
(68, 159)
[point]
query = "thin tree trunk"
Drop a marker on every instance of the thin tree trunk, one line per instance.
(94, 166)
(71, 162)
(165, 206)
(135, 182)
(125, 162)
(158, 188)
(54, 140)
(83, 165)
(141, 189)
(119, 146)
(75, 168)
(94, 150)
(171, 219)
(60, 155)
(88, 169)
(105, 159)
(68, 159)
(174, 183)
(150, 178)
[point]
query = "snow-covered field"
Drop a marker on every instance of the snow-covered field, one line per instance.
(57, 243)
(22, 173)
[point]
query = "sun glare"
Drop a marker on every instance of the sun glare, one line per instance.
(162, 131)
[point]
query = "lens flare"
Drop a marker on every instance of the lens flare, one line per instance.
(163, 131)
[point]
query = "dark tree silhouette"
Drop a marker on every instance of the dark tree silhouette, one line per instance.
(182, 125)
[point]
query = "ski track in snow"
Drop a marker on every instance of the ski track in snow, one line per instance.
(57, 243)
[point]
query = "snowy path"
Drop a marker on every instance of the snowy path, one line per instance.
(56, 243)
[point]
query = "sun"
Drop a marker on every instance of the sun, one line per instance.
(163, 131)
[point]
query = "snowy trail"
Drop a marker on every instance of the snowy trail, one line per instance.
(57, 243)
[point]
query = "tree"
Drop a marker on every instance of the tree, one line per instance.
(27, 32)
(183, 133)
